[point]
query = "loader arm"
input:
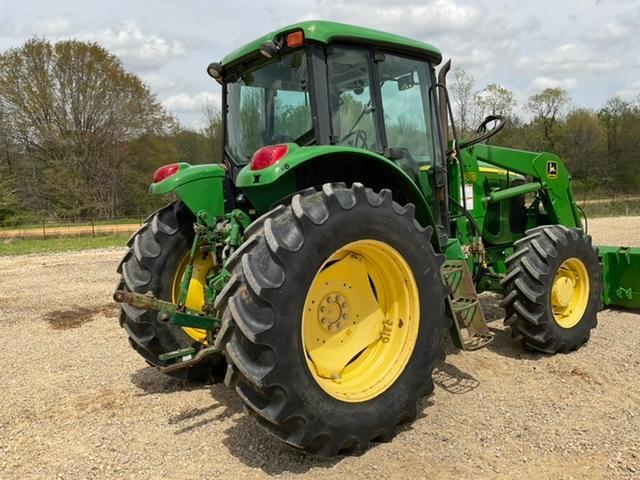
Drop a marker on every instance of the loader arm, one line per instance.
(544, 168)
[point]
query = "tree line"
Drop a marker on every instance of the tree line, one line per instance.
(600, 146)
(81, 136)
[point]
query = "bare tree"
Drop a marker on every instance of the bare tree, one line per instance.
(547, 107)
(463, 99)
(496, 100)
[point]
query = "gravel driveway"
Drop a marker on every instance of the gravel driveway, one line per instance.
(78, 403)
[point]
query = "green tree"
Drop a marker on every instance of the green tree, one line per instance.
(583, 150)
(192, 147)
(213, 131)
(74, 109)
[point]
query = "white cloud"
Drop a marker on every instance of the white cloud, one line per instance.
(631, 91)
(137, 49)
(405, 18)
(476, 60)
(613, 31)
(188, 103)
(8, 27)
(465, 31)
(569, 59)
(540, 83)
(159, 83)
(51, 26)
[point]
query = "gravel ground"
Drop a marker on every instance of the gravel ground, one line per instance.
(79, 403)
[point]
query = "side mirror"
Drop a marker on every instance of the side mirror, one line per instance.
(405, 82)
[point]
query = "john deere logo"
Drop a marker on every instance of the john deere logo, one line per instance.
(552, 169)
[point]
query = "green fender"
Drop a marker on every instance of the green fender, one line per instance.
(199, 187)
(268, 186)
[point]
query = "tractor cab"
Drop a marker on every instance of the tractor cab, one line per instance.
(312, 85)
(374, 100)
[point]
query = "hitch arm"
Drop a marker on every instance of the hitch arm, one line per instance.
(169, 311)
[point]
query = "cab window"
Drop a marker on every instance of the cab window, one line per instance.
(351, 106)
(409, 114)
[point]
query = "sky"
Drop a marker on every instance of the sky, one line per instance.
(589, 47)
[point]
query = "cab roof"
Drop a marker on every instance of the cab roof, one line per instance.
(327, 32)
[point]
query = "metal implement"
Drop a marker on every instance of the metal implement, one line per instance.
(620, 276)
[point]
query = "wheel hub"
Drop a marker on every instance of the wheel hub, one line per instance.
(334, 312)
(563, 291)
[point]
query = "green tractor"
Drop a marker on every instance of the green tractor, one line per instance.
(348, 231)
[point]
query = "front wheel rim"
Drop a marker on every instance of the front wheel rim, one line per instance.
(570, 292)
(360, 321)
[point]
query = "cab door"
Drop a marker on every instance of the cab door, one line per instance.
(411, 132)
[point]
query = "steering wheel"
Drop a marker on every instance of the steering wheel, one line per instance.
(484, 133)
(360, 136)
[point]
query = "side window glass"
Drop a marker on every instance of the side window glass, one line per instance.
(404, 89)
(350, 98)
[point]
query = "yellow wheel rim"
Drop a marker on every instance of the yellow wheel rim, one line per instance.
(360, 321)
(195, 294)
(570, 292)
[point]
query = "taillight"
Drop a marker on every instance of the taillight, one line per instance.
(165, 172)
(267, 156)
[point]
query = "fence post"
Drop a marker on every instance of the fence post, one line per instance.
(44, 232)
(93, 229)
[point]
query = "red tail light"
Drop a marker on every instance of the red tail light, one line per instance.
(165, 172)
(267, 156)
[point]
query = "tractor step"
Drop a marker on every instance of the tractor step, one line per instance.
(469, 330)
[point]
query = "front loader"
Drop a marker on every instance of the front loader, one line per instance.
(347, 231)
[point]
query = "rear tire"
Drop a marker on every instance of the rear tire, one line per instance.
(262, 307)
(154, 256)
(529, 283)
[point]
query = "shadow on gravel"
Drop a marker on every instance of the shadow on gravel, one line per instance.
(152, 382)
(255, 448)
(453, 380)
(226, 405)
(503, 344)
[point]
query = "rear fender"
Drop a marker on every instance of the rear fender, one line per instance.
(199, 187)
(304, 167)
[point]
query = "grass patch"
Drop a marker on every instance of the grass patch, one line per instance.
(70, 223)
(22, 246)
(612, 209)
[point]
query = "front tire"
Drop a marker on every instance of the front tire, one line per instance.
(266, 305)
(553, 288)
